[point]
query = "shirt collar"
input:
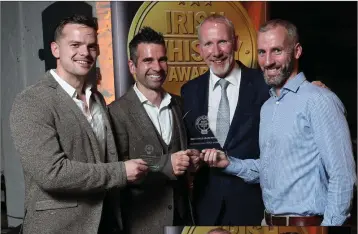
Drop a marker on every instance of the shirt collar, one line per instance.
(233, 78)
(165, 101)
(292, 85)
(67, 87)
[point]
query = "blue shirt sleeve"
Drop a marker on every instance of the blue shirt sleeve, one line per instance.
(247, 169)
(331, 134)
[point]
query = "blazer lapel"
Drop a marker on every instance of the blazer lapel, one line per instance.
(201, 96)
(246, 95)
(177, 115)
(141, 117)
(66, 101)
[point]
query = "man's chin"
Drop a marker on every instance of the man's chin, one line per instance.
(220, 72)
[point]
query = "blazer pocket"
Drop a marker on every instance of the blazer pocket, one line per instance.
(53, 204)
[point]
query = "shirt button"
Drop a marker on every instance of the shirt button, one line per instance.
(170, 207)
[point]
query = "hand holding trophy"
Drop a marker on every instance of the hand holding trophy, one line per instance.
(215, 158)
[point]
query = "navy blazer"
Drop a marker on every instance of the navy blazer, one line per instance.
(212, 187)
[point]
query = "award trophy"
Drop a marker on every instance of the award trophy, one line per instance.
(204, 138)
(155, 162)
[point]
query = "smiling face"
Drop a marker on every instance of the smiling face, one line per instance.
(151, 68)
(217, 47)
(76, 51)
(277, 56)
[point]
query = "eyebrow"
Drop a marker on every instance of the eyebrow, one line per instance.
(72, 41)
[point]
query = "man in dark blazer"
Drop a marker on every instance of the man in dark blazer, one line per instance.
(148, 124)
(218, 198)
(61, 130)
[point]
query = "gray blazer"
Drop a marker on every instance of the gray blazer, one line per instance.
(66, 180)
(150, 202)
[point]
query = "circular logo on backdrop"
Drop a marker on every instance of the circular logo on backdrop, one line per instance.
(178, 21)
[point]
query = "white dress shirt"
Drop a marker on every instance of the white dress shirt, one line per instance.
(161, 117)
(93, 113)
(232, 91)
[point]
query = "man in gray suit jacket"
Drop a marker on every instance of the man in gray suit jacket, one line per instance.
(61, 129)
(148, 124)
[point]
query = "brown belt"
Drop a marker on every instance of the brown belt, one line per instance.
(272, 220)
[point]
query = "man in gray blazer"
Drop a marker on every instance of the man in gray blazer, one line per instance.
(61, 130)
(148, 124)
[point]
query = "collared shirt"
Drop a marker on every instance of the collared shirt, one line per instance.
(306, 166)
(232, 91)
(93, 113)
(162, 117)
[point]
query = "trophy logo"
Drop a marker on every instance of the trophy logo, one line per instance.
(149, 149)
(202, 124)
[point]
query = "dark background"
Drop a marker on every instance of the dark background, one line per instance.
(328, 34)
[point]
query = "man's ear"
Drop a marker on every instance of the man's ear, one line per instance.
(298, 51)
(55, 49)
(132, 67)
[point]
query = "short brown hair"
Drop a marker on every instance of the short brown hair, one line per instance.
(292, 31)
(75, 19)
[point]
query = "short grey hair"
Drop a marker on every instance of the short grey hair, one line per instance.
(218, 19)
(290, 27)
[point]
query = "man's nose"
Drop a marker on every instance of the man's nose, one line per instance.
(84, 50)
(156, 66)
(216, 50)
(268, 60)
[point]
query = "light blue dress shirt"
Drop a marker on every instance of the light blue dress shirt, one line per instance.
(306, 165)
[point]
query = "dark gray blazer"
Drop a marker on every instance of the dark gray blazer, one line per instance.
(66, 180)
(150, 202)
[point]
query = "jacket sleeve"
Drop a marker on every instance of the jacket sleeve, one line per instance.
(36, 139)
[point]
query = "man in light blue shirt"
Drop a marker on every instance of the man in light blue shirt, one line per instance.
(306, 168)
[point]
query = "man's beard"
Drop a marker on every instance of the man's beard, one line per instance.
(279, 80)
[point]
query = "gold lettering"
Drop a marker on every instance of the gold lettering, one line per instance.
(271, 230)
(184, 73)
(179, 20)
(172, 75)
(175, 47)
(239, 46)
(194, 73)
(195, 56)
(181, 73)
(190, 23)
(168, 21)
(199, 17)
(186, 51)
(202, 70)
(219, 13)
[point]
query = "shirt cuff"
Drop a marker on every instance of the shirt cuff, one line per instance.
(233, 168)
